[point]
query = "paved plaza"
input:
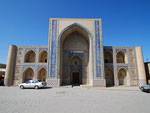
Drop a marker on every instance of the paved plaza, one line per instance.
(74, 100)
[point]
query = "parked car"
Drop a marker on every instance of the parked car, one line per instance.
(145, 88)
(33, 84)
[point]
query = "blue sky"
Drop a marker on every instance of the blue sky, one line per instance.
(25, 22)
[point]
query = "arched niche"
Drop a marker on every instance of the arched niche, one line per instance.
(42, 74)
(122, 76)
(109, 76)
(108, 57)
(30, 57)
(43, 57)
(28, 74)
(120, 57)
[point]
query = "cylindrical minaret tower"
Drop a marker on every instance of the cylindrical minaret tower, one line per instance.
(140, 66)
(10, 68)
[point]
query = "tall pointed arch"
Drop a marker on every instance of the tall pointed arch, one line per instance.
(74, 40)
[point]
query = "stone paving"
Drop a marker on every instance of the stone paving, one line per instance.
(74, 100)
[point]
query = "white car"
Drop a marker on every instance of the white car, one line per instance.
(32, 84)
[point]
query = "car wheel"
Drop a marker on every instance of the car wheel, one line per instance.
(142, 89)
(36, 87)
(22, 87)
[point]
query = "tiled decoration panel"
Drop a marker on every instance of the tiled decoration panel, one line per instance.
(98, 48)
(53, 48)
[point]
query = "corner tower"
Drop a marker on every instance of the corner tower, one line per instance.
(75, 52)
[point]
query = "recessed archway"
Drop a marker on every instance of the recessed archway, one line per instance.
(74, 42)
(122, 77)
(120, 57)
(108, 57)
(30, 57)
(109, 76)
(28, 74)
(76, 70)
(42, 74)
(43, 57)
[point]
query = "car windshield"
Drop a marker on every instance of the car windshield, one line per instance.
(148, 85)
(29, 81)
(145, 85)
(35, 81)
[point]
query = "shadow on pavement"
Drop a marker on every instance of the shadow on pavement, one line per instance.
(46, 88)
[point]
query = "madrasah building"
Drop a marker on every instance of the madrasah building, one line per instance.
(76, 55)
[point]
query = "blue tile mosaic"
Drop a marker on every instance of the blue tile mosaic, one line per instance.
(53, 49)
(98, 48)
